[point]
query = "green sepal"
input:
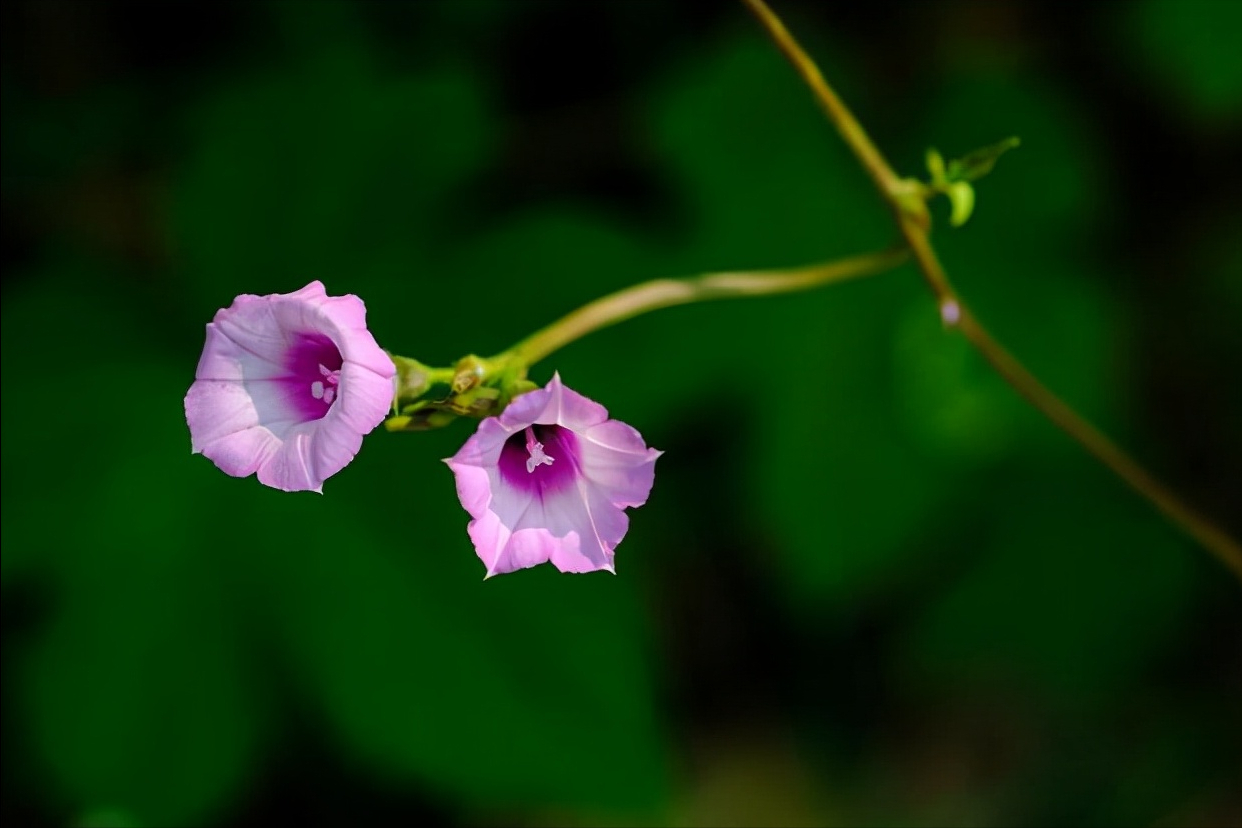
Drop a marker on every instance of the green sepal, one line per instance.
(475, 387)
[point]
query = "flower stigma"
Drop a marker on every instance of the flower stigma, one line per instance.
(535, 449)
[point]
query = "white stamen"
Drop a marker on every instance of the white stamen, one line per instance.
(535, 449)
(326, 391)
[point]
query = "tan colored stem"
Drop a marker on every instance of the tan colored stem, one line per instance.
(664, 293)
(914, 229)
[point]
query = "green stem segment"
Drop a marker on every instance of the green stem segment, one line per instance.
(911, 215)
(664, 293)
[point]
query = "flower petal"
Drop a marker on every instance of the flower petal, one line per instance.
(614, 458)
(215, 409)
(366, 397)
(474, 487)
(254, 357)
(291, 467)
(503, 551)
(334, 444)
(570, 409)
(525, 409)
(252, 335)
(577, 530)
(591, 528)
(243, 453)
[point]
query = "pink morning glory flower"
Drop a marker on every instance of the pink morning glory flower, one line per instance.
(287, 386)
(549, 479)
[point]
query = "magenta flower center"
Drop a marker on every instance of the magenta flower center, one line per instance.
(314, 382)
(541, 459)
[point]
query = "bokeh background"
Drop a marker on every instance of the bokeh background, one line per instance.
(870, 587)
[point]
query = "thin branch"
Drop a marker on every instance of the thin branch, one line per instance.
(914, 228)
(664, 293)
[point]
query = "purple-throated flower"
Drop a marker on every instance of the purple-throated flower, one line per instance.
(549, 479)
(287, 386)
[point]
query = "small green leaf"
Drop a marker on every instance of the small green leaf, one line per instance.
(935, 165)
(978, 163)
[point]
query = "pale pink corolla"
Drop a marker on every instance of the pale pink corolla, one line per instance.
(549, 479)
(287, 386)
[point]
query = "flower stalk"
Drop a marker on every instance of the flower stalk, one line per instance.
(665, 293)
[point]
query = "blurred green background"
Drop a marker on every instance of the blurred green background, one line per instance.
(870, 587)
